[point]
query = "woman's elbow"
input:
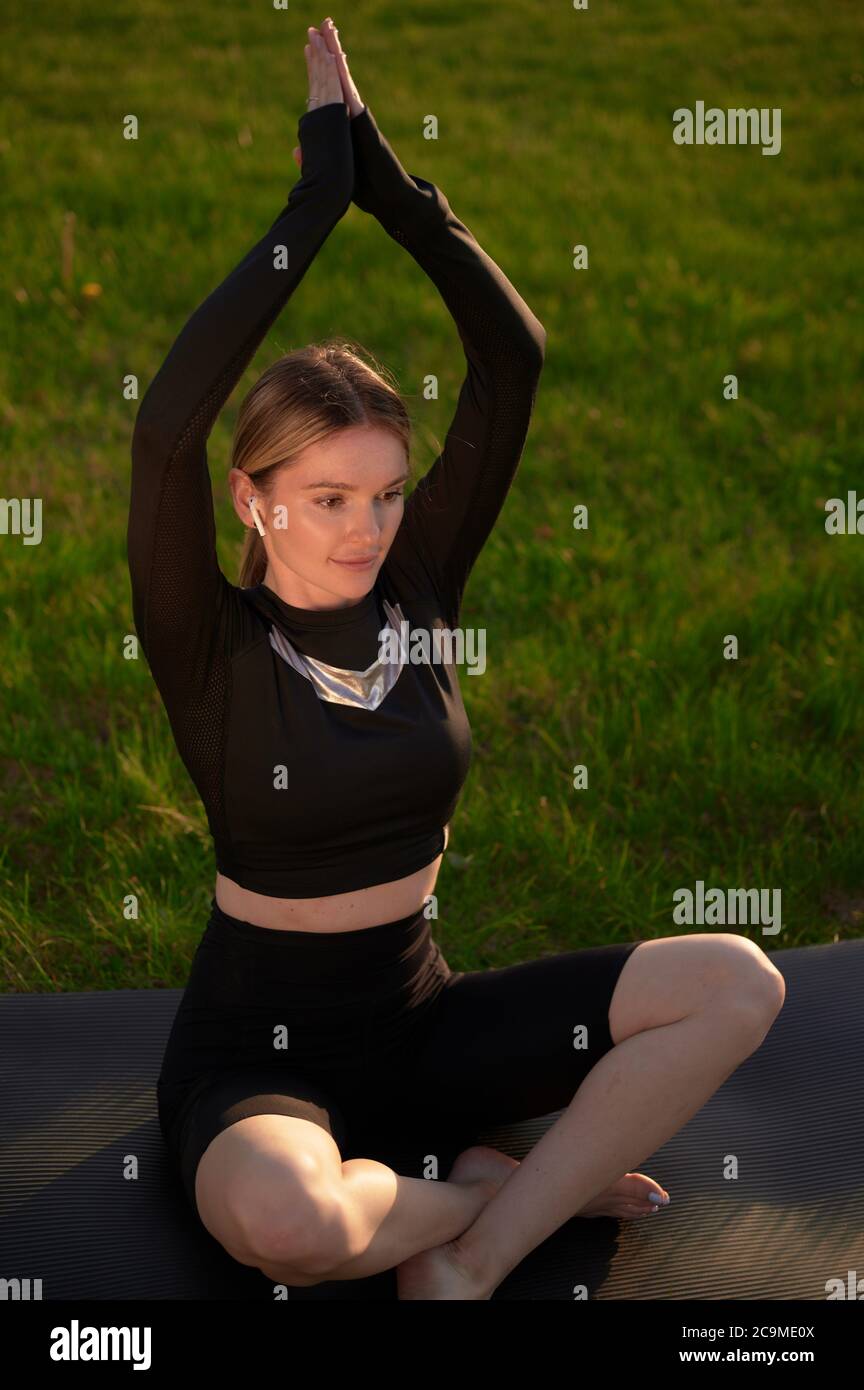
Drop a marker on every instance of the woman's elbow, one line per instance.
(537, 351)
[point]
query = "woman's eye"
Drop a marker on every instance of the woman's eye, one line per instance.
(323, 501)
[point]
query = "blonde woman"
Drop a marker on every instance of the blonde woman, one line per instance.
(320, 1014)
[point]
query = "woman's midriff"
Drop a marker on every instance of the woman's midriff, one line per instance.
(366, 907)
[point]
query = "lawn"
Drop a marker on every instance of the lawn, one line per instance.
(605, 646)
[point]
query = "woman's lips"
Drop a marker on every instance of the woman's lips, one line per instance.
(358, 564)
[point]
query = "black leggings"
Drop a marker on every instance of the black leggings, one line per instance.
(369, 1033)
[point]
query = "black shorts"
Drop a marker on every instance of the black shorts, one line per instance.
(370, 1033)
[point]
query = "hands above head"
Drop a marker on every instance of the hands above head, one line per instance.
(329, 77)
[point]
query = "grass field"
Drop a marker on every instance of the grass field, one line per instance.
(605, 646)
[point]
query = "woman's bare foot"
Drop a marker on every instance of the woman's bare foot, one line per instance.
(439, 1274)
(481, 1164)
(435, 1273)
(626, 1198)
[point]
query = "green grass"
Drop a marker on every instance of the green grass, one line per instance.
(605, 646)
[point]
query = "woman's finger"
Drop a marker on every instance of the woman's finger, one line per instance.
(330, 36)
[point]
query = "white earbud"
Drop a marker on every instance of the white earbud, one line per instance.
(255, 517)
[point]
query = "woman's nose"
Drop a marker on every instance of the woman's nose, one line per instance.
(367, 528)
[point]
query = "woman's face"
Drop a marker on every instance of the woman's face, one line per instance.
(341, 500)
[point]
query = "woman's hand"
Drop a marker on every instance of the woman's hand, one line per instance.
(330, 35)
(329, 78)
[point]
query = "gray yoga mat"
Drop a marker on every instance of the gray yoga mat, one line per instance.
(90, 1205)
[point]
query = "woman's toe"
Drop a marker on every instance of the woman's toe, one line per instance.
(639, 1188)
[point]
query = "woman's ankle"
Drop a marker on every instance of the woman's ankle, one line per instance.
(426, 1213)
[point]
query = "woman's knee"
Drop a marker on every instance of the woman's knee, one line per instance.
(269, 1189)
(746, 978)
(669, 978)
(306, 1233)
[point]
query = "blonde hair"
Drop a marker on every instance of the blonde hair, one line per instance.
(303, 398)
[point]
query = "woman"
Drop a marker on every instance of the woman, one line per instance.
(319, 1010)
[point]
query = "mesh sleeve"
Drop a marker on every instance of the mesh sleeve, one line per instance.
(452, 510)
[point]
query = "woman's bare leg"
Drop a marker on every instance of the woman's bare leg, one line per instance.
(634, 1099)
(726, 993)
(386, 1218)
(637, 1096)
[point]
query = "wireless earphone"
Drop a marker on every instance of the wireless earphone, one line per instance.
(255, 517)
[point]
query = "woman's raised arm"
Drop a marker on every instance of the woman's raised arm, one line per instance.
(177, 586)
(453, 508)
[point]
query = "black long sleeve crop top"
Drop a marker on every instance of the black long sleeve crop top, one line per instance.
(305, 797)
